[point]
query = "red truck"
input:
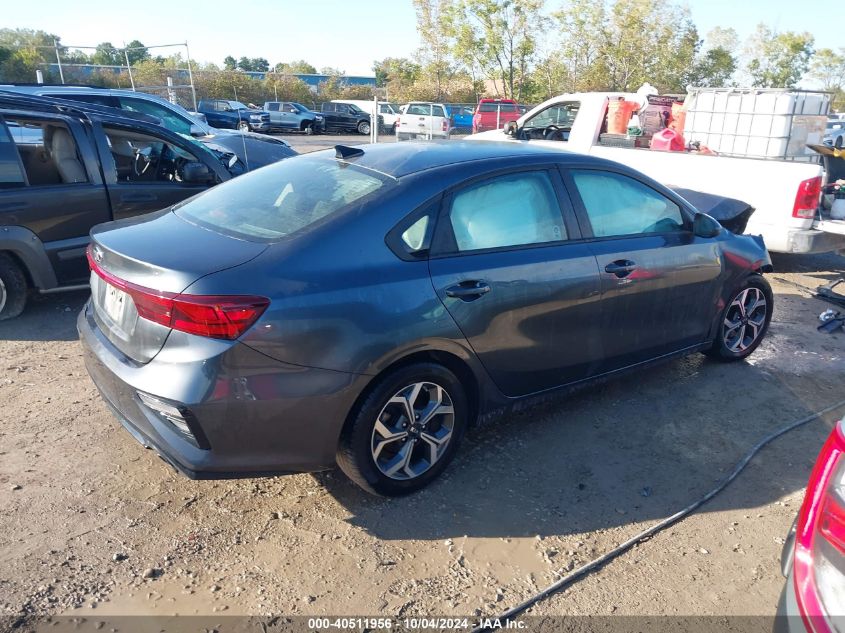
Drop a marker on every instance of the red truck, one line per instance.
(492, 114)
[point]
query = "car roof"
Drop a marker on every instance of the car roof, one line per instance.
(54, 105)
(402, 159)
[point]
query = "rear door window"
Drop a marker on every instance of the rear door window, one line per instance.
(11, 170)
(48, 151)
(510, 210)
(618, 205)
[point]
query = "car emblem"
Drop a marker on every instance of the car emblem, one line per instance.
(98, 254)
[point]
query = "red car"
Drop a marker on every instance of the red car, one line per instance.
(492, 114)
(814, 554)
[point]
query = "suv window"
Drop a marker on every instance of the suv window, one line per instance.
(510, 210)
(288, 107)
(168, 117)
(437, 111)
(619, 205)
(329, 107)
(48, 152)
(272, 106)
(281, 199)
(140, 157)
(419, 109)
(11, 173)
(97, 99)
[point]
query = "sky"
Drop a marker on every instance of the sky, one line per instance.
(339, 33)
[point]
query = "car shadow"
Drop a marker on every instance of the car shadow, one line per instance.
(635, 449)
(50, 317)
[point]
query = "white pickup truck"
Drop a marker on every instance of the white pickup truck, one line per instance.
(785, 194)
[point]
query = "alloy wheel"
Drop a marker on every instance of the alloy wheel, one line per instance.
(3, 295)
(413, 430)
(744, 320)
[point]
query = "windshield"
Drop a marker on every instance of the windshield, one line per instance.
(355, 109)
(284, 198)
(299, 107)
(237, 105)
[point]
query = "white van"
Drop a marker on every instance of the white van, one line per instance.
(388, 111)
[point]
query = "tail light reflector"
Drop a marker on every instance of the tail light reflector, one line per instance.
(214, 316)
(820, 539)
(807, 198)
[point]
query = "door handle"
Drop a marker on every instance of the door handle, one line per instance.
(138, 197)
(621, 268)
(469, 290)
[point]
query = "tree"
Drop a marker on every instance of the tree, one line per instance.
(107, 55)
(500, 36)
(136, 52)
(23, 51)
(260, 64)
(230, 63)
(245, 64)
(715, 68)
(581, 52)
(778, 60)
(433, 24)
(298, 67)
(828, 68)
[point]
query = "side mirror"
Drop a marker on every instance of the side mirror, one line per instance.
(705, 226)
(196, 130)
(196, 174)
(511, 128)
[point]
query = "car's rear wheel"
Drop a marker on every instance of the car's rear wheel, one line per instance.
(744, 321)
(13, 288)
(405, 432)
(363, 127)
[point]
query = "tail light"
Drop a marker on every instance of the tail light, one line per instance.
(820, 539)
(444, 124)
(807, 198)
(214, 316)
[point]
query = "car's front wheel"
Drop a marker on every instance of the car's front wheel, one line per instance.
(406, 431)
(243, 126)
(744, 321)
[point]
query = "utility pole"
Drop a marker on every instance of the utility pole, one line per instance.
(191, 75)
(59, 60)
(128, 67)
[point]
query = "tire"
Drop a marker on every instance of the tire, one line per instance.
(742, 324)
(242, 126)
(377, 438)
(309, 129)
(13, 288)
(363, 127)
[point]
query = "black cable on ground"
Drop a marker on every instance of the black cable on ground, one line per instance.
(620, 549)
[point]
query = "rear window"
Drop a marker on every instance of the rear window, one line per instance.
(279, 200)
(502, 107)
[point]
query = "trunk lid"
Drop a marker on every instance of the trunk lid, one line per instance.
(159, 255)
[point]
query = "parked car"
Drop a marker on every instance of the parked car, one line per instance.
(813, 559)
(423, 120)
(234, 115)
(413, 297)
(253, 150)
(834, 133)
(461, 117)
(345, 117)
(289, 115)
(492, 114)
(786, 210)
(386, 111)
(67, 166)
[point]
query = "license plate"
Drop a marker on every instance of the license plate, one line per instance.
(114, 303)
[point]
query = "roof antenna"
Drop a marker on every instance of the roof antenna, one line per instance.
(343, 152)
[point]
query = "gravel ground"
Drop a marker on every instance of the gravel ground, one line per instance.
(89, 520)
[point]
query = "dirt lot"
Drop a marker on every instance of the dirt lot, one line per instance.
(91, 520)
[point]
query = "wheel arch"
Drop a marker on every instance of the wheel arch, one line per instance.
(28, 251)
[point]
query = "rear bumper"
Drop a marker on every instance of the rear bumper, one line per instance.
(813, 241)
(258, 416)
(788, 618)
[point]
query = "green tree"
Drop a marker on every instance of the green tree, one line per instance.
(245, 64)
(23, 51)
(828, 68)
(396, 75)
(434, 19)
(107, 55)
(137, 52)
(713, 69)
(298, 67)
(778, 60)
(500, 36)
(230, 63)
